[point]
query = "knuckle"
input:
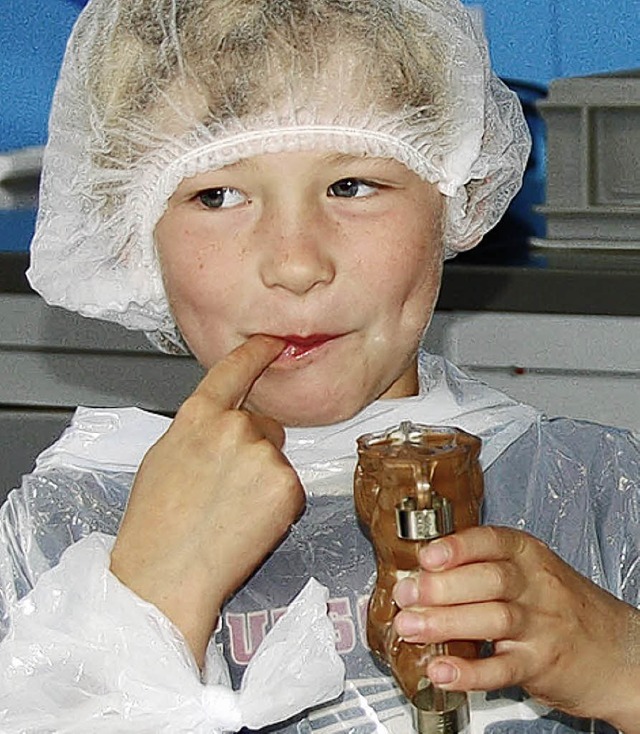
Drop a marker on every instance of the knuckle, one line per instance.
(273, 464)
(510, 541)
(289, 483)
(266, 454)
(500, 579)
(538, 546)
(432, 588)
(200, 412)
(471, 676)
(468, 679)
(234, 359)
(510, 672)
(503, 670)
(235, 421)
(234, 427)
(195, 411)
(502, 537)
(212, 432)
(274, 431)
(292, 490)
(524, 542)
(280, 477)
(506, 621)
(433, 629)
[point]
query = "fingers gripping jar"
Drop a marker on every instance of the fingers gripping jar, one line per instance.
(413, 484)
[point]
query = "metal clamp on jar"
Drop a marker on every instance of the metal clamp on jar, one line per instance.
(413, 484)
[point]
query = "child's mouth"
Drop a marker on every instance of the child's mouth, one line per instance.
(298, 347)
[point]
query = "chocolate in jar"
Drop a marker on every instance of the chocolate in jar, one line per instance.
(431, 476)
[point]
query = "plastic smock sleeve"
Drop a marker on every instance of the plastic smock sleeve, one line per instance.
(84, 653)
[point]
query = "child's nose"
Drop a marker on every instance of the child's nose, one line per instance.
(296, 255)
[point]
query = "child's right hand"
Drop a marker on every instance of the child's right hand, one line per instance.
(211, 499)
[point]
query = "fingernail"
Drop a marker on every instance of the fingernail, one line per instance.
(436, 554)
(405, 593)
(409, 625)
(442, 673)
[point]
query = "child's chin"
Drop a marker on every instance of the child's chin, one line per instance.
(309, 412)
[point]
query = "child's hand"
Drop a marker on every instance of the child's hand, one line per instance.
(555, 633)
(211, 499)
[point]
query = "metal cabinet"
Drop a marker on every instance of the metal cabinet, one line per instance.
(572, 365)
(51, 361)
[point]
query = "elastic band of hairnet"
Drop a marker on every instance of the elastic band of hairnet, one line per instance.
(228, 148)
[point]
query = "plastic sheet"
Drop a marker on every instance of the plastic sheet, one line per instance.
(573, 484)
(63, 671)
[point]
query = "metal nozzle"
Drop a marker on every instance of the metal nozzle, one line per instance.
(440, 712)
(427, 524)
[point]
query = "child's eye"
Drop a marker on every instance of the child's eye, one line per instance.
(221, 198)
(352, 188)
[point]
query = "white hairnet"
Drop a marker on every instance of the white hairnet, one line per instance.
(153, 91)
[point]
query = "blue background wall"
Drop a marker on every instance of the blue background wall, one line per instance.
(33, 34)
(534, 40)
(538, 40)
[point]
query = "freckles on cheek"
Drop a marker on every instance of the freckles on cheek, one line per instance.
(190, 258)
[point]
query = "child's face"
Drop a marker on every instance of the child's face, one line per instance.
(339, 255)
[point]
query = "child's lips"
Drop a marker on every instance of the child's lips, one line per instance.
(298, 347)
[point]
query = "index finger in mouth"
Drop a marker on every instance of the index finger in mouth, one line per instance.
(228, 382)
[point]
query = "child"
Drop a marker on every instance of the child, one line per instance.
(273, 186)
